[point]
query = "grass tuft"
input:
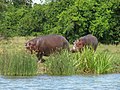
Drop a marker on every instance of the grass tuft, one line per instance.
(93, 62)
(60, 64)
(87, 62)
(17, 63)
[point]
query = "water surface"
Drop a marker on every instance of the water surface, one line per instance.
(44, 82)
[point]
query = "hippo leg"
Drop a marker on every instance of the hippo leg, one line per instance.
(39, 56)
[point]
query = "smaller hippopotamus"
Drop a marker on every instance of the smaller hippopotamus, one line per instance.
(88, 40)
(46, 45)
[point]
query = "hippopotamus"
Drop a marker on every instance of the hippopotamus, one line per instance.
(46, 45)
(88, 40)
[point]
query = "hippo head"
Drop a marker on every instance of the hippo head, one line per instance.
(77, 45)
(30, 46)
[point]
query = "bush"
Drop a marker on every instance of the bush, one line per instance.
(71, 18)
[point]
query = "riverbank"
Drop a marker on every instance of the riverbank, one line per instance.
(17, 44)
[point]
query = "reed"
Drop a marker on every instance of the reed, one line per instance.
(87, 62)
(93, 62)
(116, 63)
(60, 64)
(17, 63)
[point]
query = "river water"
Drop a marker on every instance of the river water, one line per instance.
(44, 82)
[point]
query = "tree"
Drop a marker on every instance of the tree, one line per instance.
(18, 3)
(2, 5)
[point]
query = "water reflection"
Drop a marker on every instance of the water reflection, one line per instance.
(44, 82)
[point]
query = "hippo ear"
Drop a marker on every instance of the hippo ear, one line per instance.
(27, 44)
(75, 41)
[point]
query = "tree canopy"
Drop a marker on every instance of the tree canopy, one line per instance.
(70, 18)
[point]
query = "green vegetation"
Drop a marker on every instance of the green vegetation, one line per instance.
(15, 61)
(87, 62)
(17, 64)
(94, 62)
(71, 18)
(60, 64)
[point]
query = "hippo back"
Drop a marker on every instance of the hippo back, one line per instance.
(90, 40)
(50, 43)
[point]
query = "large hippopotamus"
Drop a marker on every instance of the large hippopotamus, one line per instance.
(46, 45)
(88, 40)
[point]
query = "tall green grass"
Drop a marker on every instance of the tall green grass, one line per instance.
(60, 64)
(116, 63)
(17, 63)
(87, 62)
(93, 62)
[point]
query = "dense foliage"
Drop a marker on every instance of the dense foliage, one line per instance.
(71, 18)
(17, 63)
(87, 62)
